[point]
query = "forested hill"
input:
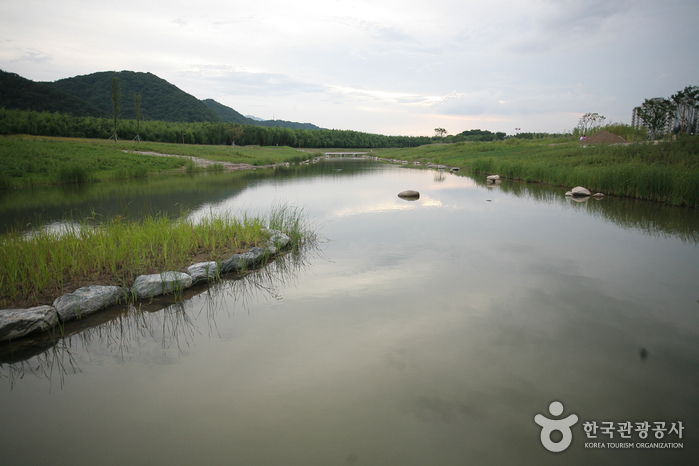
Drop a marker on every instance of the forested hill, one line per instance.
(231, 116)
(160, 100)
(20, 93)
(91, 95)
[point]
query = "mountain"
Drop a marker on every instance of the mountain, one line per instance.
(227, 114)
(160, 100)
(231, 116)
(91, 95)
(19, 93)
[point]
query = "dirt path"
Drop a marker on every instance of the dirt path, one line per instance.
(203, 162)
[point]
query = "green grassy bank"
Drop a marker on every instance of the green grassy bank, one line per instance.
(666, 172)
(39, 161)
(39, 267)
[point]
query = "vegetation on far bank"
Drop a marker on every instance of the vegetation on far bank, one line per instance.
(667, 171)
(35, 161)
(43, 265)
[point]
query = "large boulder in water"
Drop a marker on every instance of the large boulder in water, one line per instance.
(409, 195)
(203, 271)
(149, 286)
(16, 323)
(580, 191)
(87, 300)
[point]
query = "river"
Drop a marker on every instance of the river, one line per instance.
(415, 332)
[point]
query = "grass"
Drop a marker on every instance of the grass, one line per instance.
(40, 161)
(666, 172)
(39, 267)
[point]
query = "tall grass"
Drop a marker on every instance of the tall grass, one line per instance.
(41, 266)
(666, 172)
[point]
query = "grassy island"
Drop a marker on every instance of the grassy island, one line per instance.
(43, 265)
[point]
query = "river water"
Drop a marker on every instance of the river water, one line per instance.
(415, 332)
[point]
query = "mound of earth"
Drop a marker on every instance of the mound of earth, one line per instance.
(603, 137)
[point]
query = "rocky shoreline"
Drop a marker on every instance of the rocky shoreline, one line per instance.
(17, 323)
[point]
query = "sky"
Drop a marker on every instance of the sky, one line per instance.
(394, 67)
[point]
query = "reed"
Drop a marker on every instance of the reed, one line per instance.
(40, 266)
(666, 172)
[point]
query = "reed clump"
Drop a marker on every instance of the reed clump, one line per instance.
(667, 171)
(47, 263)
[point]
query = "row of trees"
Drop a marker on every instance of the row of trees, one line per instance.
(64, 125)
(678, 114)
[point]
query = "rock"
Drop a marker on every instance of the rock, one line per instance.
(278, 239)
(569, 194)
(148, 286)
(580, 191)
(87, 300)
(598, 195)
(203, 271)
(454, 169)
(409, 194)
(493, 178)
(244, 261)
(16, 323)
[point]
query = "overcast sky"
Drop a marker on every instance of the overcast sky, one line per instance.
(379, 66)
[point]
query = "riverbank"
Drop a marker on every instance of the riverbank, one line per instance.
(46, 264)
(42, 161)
(666, 172)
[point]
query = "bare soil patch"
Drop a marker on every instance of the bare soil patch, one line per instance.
(603, 137)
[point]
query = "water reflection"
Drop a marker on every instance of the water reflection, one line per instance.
(183, 194)
(174, 323)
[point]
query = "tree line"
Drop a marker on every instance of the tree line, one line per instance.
(217, 133)
(678, 114)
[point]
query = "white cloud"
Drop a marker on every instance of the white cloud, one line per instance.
(383, 66)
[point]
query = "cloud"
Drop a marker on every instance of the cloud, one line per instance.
(35, 56)
(232, 81)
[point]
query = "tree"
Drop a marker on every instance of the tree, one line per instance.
(440, 132)
(686, 107)
(137, 106)
(590, 121)
(235, 133)
(116, 104)
(655, 114)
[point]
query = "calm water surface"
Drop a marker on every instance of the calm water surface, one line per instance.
(425, 332)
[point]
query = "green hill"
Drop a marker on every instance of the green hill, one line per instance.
(91, 95)
(160, 100)
(19, 93)
(231, 116)
(227, 114)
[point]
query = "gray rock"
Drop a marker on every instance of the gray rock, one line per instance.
(16, 323)
(203, 271)
(580, 191)
(244, 261)
(87, 300)
(409, 194)
(492, 178)
(278, 239)
(148, 286)
(569, 194)
(598, 195)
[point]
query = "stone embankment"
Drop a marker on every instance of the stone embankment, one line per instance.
(17, 323)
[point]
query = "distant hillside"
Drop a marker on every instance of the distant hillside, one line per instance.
(228, 114)
(160, 100)
(91, 95)
(286, 124)
(19, 93)
(231, 116)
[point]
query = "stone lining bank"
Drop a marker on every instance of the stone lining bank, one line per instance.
(17, 323)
